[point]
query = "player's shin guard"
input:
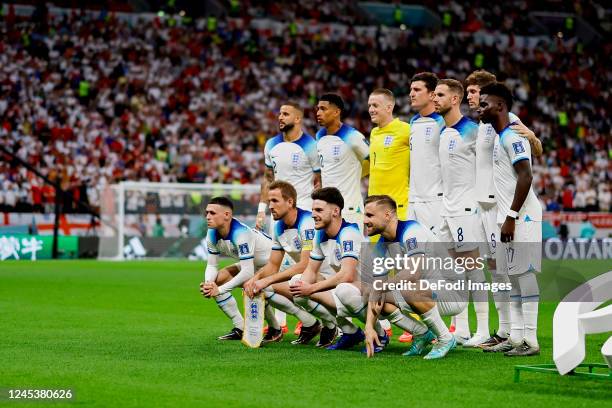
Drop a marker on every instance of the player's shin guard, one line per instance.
(228, 305)
(407, 323)
(281, 317)
(530, 297)
(353, 303)
(502, 303)
(434, 321)
(481, 303)
(271, 317)
(282, 303)
(462, 325)
(517, 324)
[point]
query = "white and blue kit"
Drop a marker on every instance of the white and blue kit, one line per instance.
(415, 240)
(346, 244)
(459, 228)
(426, 191)
(251, 247)
(294, 162)
(340, 157)
(521, 255)
(485, 186)
(297, 238)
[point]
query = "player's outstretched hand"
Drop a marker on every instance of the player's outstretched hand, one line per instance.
(371, 340)
(259, 221)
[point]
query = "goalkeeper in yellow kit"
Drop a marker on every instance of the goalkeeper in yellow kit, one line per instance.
(389, 159)
(389, 152)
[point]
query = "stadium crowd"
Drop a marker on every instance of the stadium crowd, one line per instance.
(90, 102)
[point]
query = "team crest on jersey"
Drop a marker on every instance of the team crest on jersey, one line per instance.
(347, 246)
(309, 234)
(451, 145)
(337, 253)
(388, 140)
(297, 243)
(428, 134)
(411, 244)
(243, 249)
(295, 159)
(518, 147)
(489, 134)
(336, 150)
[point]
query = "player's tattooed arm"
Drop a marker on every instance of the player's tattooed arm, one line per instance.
(268, 178)
(523, 184)
(524, 131)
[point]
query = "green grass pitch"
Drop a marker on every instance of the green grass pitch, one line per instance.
(139, 334)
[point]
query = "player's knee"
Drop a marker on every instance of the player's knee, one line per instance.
(295, 279)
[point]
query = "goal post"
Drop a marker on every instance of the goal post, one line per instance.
(164, 220)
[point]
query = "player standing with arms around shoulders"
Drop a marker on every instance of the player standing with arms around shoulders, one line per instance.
(459, 228)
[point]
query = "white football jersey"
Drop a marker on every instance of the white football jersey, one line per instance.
(509, 149)
(340, 156)
(425, 172)
(297, 238)
(485, 187)
(347, 243)
(294, 162)
(458, 163)
(242, 242)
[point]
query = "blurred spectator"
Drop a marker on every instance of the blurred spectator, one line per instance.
(93, 101)
(587, 230)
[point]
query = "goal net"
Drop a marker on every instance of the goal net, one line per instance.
(164, 220)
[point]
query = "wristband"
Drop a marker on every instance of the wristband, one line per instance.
(513, 214)
(262, 207)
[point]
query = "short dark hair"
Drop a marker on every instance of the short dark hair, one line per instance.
(330, 195)
(480, 78)
(382, 199)
(335, 100)
(500, 90)
(429, 78)
(223, 201)
(295, 106)
(454, 85)
(286, 189)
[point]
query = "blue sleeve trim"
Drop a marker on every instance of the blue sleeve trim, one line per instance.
(247, 258)
(270, 167)
(519, 159)
(316, 171)
(316, 258)
(350, 256)
(213, 252)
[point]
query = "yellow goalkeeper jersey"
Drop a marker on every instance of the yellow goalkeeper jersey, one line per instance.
(390, 163)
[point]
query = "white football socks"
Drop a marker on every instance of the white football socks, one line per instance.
(502, 304)
(434, 321)
(228, 305)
